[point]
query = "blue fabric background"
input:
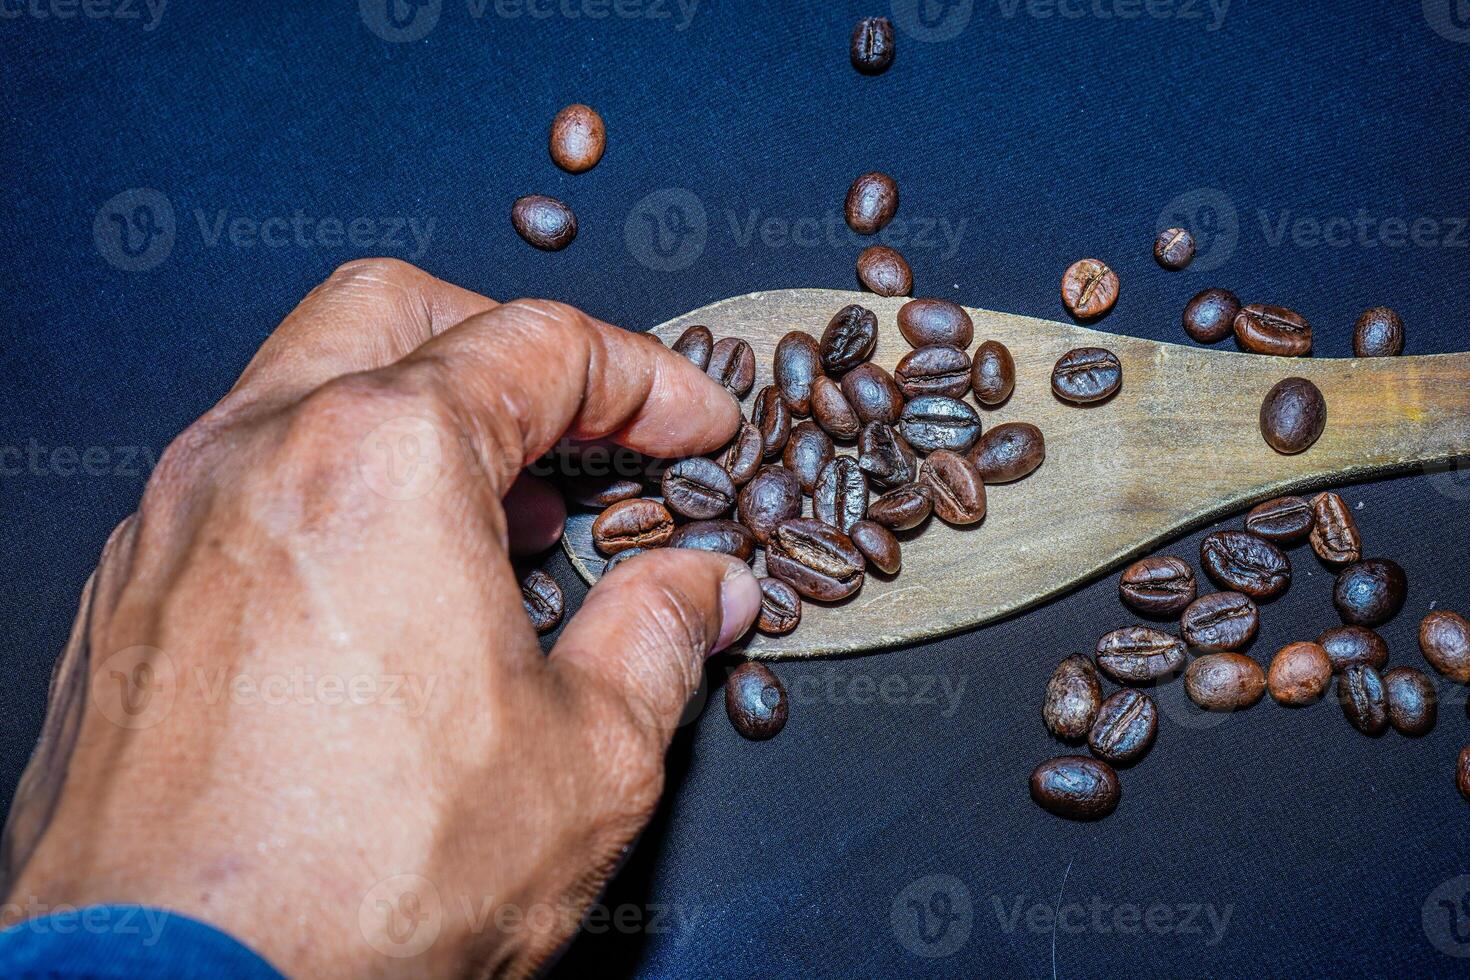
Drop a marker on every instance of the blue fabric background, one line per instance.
(1036, 133)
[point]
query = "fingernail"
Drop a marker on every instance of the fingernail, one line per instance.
(740, 603)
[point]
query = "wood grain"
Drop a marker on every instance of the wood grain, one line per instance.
(1179, 445)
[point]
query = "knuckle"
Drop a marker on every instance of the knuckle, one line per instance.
(374, 271)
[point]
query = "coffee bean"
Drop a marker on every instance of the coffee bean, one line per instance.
(696, 343)
(934, 371)
(816, 559)
(1245, 563)
(773, 418)
(992, 373)
(578, 137)
(903, 508)
(935, 323)
(621, 557)
(1125, 728)
(732, 364)
(1444, 637)
(544, 222)
(543, 601)
(742, 457)
(807, 453)
(1224, 682)
(872, 45)
(1300, 674)
(882, 270)
(1008, 452)
(934, 422)
(872, 201)
(1378, 333)
(640, 523)
(1371, 592)
(1334, 534)
(774, 495)
(1285, 520)
(1174, 248)
(1360, 690)
(722, 537)
(1462, 773)
(601, 491)
(1348, 646)
(1293, 415)
(955, 487)
(841, 495)
(698, 488)
(885, 456)
(755, 701)
(872, 393)
(878, 545)
(1138, 655)
(1089, 289)
(798, 364)
(1073, 696)
(1274, 330)
(1210, 316)
(1086, 375)
(849, 339)
(1076, 787)
(1412, 706)
(1160, 586)
(831, 410)
(1220, 621)
(780, 608)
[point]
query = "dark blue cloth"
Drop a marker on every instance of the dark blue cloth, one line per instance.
(1320, 150)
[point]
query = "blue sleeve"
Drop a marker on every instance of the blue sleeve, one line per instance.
(125, 941)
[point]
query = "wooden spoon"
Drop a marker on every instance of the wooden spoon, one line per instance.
(1180, 444)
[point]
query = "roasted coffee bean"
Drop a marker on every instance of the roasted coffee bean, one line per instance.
(1334, 534)
(1009, 452)
(878, 545)
(742, 457)
(1462, 773)
(780, 608)
(886, 456)
(721, 536)
(884, 271)
(1300, 674)
(1371, 592)
(696, 343)
(816, 559)
(1412, 706)
(1089, 289)
(935, 422)
(1160, 586)
(1210, 316)
(1349, 646)
(1125, 728)
(872, 201)
(807, 453)
(798, 364)
(1087, 375)
(903, 508)
(1220, 621)
(992, 373)
(1245, 563)
(544, 222)
(873, 45)
(935, 323)
(773, 418)
(543, 601)
(1076, 787)
(1174, 248)
(621, 557)
(1138, 655)
(698, 488)
(732, 364)
(1379, 333)
(601, 491)
(1073, 696)
(755, 701)
(954, 486)
(831, 410)
(1293, 415)
(1284, 520)
(934, 371)
(849, 339)
(578, 138)
(1444, 637)
(774, 495)
(640, 523)
(872, 393)
(1224, 682)
(1360, 690)
(1274, 330)
(841, 494)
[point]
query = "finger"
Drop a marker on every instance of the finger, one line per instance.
(535, 514)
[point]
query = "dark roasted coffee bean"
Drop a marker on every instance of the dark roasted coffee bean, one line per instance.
(773, 418)
(872, 201)
(1073, 696)
(601, 491)
(696, 343)
(886, 456)
(807, 453)
(543, 601)
(954, 486)
(1174, 248)
(831, 410)
(1360, 690)
(1444, 637)
(872, 393)
(849, 339)
(1089, 289)
(780, 608)
(1285, 520)
(1412, 706)
(1348, 646)
(903, 508)
(621, 557)
(1334, 534)
(774, 495)
(742, 457)
(1220, 621)
(722, 537)
(816, 559)
(935, 422)
(934, 371)
(1009, 452)
(1125, 728)
(1224, 682)
(935, 323)
(1293, 415)
(1462, 772)
(882, 270)
(1245, 563)
(1379, 333)
(544, 222)
(639, 523)
(841, 494)
(1210, 317)
(992, 373)
(1087, 375)
(698, 488)
(755, 701)
(798, 364)
(1300, 674)
(1160, 586)
(732, 364)
(1371, 592)
(1076, 787)
(1274, 330)
(1138, 655)
(872, 45)
(578, 138)
(878, 545)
